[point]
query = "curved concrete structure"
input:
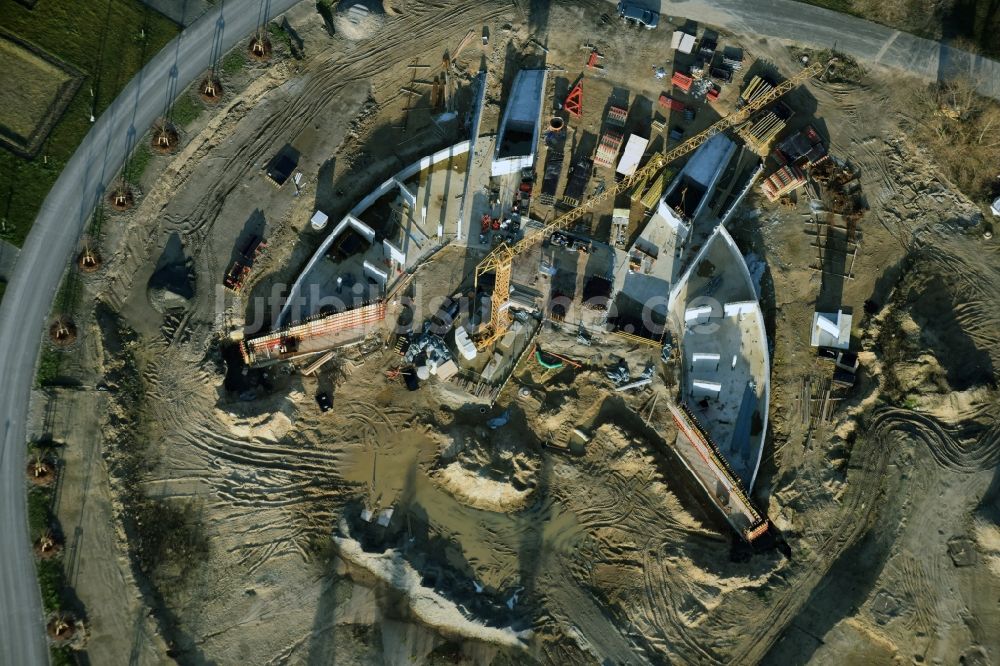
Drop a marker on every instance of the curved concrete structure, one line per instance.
(725, 373)
(395, 252)
(41, 263)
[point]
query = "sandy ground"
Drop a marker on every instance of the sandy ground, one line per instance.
(501, 548)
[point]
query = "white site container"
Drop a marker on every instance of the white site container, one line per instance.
(632, 155)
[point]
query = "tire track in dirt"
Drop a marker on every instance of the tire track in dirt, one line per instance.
(660, 608)
(428, 26)
(868, 463)
(594, 630)
(982, 453)
(914, 583)
(975, 290)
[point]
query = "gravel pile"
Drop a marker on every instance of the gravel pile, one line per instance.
(358, 19)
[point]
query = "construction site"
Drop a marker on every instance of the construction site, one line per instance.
(506, 332)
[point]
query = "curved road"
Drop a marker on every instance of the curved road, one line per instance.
(66, 209)
(39, 268)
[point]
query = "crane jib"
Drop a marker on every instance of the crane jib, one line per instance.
(501, 257)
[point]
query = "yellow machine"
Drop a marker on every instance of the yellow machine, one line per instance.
(501, 258)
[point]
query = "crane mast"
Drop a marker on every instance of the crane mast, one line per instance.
(500, 260)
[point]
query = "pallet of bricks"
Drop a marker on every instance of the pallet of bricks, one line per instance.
(783, 181)
(611, 141)
(607, 149)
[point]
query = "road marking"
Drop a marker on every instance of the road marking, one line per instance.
(886, 46)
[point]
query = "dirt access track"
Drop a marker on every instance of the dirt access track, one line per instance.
(222, 519)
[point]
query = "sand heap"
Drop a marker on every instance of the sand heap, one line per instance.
(358, 19)
(171, 288)
(490, 470)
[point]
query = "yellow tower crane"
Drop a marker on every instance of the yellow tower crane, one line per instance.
(501, 258)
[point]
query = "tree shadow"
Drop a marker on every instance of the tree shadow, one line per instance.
(538, 19)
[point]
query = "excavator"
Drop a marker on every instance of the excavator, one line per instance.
(500, 260)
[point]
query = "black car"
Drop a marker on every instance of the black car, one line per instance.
(324, 401)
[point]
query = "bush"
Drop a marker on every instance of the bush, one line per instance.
(52, 581)
(39, 513)
(170, 541)
(961, 129)
(62, 656)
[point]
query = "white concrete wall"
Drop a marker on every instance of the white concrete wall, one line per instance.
(375, 272)
(409, 197)
(740, 308)
(361, 228)
(698, 313)
(399, 177)
(393, 252)
(758, 318)
(502, 167)
(707, 386)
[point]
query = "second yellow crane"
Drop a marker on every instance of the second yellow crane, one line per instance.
(500, 260)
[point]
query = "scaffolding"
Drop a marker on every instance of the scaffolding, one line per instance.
(723, 486)
(312, 336)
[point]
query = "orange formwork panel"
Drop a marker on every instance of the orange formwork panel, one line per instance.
(574, 100)
(682, 81)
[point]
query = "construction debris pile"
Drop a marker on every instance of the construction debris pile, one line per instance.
(431, 356)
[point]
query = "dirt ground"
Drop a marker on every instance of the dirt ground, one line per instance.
(571, 534)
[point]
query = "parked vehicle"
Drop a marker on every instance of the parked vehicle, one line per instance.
(324, 401)
(634, 14)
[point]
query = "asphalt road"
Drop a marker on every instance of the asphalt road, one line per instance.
(870, 43)
(36, 276)
(65, 211)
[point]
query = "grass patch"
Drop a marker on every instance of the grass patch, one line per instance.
(62, 656)
(109, 42)
(49, 364)
(185, 110)
(39, 511)
(279, 34)
(233, 63)
(52, 581)
(68, 295)
(96, 222)
(136, 165)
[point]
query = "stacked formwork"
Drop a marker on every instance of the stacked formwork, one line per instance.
(617, 116)
(659, 183)
(311, 336)
(783, 181)
(758, 87)
(761, 131)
